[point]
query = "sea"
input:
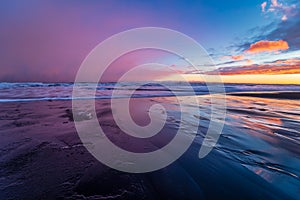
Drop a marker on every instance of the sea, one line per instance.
(34, 91)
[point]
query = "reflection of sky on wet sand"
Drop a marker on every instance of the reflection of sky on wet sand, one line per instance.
(264, 137)
(257, 154)
(260, 134)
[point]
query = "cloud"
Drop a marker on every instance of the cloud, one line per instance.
(238, 57)
(267, 46)
(286, 30)
(284, 10)
(249, 62)
(289, 66)
(232, 58)
(275, 3)
(284, 18)
(263, 6)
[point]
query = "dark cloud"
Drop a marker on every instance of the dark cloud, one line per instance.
(288, 31)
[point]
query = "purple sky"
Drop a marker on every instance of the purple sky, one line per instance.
(47, 40)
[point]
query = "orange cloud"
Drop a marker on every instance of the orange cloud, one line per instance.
(290, 66)
(263, 69)
(267, 46)
(237, 57)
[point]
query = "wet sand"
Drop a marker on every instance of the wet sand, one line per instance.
(41, 157)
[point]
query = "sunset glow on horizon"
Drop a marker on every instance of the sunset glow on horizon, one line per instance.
(251, 79)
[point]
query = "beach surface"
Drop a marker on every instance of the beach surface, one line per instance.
(256, 157)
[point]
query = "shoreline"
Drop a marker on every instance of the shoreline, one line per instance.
(42, 157)
(293, 95)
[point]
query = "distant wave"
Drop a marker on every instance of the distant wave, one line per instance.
(36, 91)
(33, 84)
(88, 98)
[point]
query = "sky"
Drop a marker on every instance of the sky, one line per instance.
(250, 41)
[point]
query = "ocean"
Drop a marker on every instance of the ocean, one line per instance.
(18, 92)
